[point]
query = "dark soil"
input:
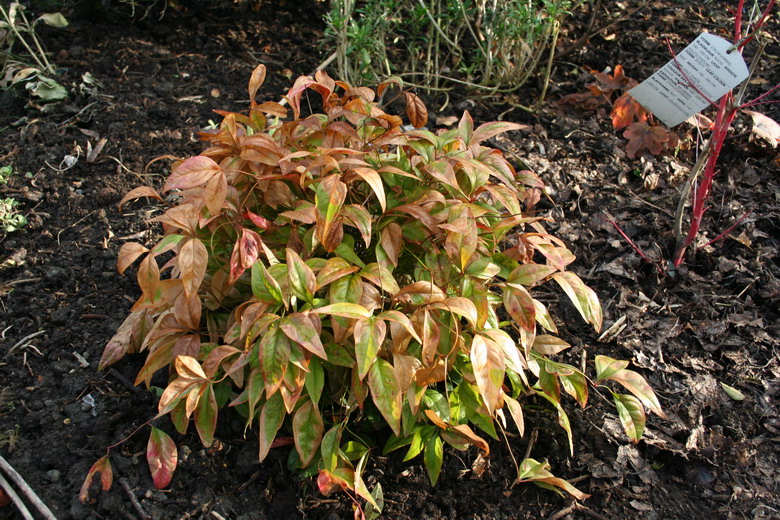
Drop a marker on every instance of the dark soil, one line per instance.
(717, 322)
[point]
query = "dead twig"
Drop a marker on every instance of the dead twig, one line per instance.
(133, 499)
(6, 486)
(23, 341)
(26, 490)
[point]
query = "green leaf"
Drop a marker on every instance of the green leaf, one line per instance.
(632, 415)
(329, 447)
(273, 351)
(530, 274)
(563, 419)
(360, 486)
(369, 336)
(255, 388)
(53, 19)
(307, 431)
(302, 281)
(315, 379)
(637, 385)
(206, 415)
(344, 310)
(372, 511)
(582, 296)
(386, 393)
(606, 366)
(433, 458)
(733, 392)
(538, 473)
(264, 287)
(300, 329)
(271, 418)
(346, 250)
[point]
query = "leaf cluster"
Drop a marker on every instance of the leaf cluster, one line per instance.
(332, 273)
(625, 112)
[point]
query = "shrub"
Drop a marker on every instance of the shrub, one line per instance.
(491, 45)
(333, 273)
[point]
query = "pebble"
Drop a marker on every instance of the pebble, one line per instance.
(53, 475)
(55, 276)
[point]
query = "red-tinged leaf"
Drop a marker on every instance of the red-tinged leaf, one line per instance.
(271, 418)
(576, 386)
(249, 247)
(520, 306)
(217, 357)
(626, 111)
(121, 343)
(463, 307)
(373, 179)
(295, 92)
(380, 276)
(161, 356)
(489, 130)
(516, 411)
(420, 293)
(415, 110)
(369, 336)
(149, 277)
(547, 345)
(487, 360)
(272, 108)
(632, 415)
(215, 193)
(641, 136)
(582, 296)
(328, 482)
(193, 259)
(302, 281)
(102, 466)
(137, 193)
(265, 287)
(401, 319)
(431, 336)
(274, 353)
(360, 218)
(129, 253)
(466, 128)
(344, 309)
(301, 329)
(334, 269)
(307, 428)
(530, 274)
(606, 367)
(637, 385)
(173, 394)
(512, 356)
(533, 471)
(193, 172)
(162, 456)
(206, 415)
(386, 393)
(256, 81)
(261, 222)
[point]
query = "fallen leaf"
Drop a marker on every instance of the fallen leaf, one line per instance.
(626, 111)
(641, 136)
(765, 128)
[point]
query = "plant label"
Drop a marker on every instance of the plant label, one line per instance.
(674, 92)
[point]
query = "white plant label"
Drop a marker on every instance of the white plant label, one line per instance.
(713, 70)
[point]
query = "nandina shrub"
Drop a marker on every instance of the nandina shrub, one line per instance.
(334, 272)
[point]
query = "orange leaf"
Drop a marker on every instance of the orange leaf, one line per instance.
(137, 193)
(102, 466)
(626, 111)
(641, 136)
(129, 253)
(415, 110)
(255, 81)
(193, 258)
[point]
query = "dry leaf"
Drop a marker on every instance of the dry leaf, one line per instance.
(765, 128)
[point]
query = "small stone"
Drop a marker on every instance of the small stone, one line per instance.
(55, 276)
(53, 475)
